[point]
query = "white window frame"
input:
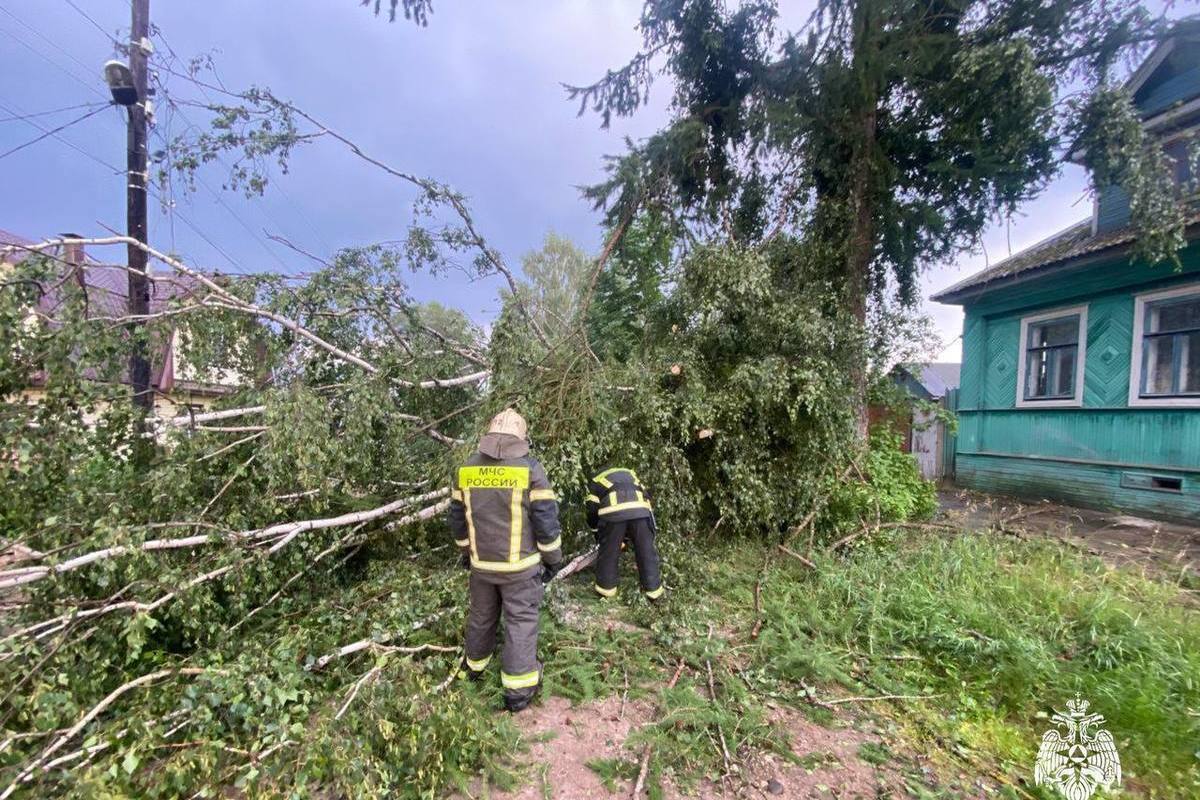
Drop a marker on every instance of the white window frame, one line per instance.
(1080, 359)
(1135, 364)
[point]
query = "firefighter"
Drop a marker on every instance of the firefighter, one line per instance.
(619, 510)
(504, 517)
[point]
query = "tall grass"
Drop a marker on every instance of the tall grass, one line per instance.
(1003, 631)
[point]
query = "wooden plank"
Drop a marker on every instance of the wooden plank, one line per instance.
(1077, 484)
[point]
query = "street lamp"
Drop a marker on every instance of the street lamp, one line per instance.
(119, 78)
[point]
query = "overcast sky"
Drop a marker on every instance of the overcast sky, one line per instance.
(473, 100)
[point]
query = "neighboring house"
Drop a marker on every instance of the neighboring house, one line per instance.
(178, 387)
(925, 435)
(1081, 370)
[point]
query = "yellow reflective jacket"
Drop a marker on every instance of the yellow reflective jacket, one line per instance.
(502, 509)
(616, 495)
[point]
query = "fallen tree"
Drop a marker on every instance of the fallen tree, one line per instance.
(275, 539)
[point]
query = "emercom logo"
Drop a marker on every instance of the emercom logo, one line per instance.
(1077, 757)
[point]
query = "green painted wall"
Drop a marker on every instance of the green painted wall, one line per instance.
(1078, 455)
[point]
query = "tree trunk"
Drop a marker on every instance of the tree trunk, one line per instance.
(860, 243)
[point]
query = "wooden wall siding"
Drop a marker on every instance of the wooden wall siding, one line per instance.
(1170, 92)
(1077, 484)
(974, 361)
(1136, 437)
(1074, 454)
(1110, 336)
(1112, 209)
(1003, 350)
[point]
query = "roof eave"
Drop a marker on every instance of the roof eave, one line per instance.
(959, 297)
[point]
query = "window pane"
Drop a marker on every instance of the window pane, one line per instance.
(1064, 372)
(1035, 373)
(1189, 360)
(1055, 331)
(1050, 373)
(1159, 364)
(1173, 315)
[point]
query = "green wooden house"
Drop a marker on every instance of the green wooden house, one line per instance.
(1081, 369)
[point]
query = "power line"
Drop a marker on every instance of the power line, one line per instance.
(202, 86)
(176, 109)
(48, 133)
(51, 112)
(67, 142)
(221, 202)
(87, 69)
(90, 87)
(95, 24)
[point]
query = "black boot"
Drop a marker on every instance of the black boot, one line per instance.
(514, 705)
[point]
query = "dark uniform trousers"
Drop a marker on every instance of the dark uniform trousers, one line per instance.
(519, 596)
(641, 533)
(619, 510)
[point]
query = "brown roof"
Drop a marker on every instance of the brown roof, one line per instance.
(107, 290)
(1058, 250)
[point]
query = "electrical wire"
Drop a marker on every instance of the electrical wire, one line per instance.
(95, 24)
(177, 109)
(86, 69)
(115, 170)
(49, 133)
(51, 112)
(89, 86)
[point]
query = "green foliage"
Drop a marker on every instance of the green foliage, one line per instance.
(885, 136)
(630, 289)
(555, 277)
(734, 397)
(893, 491)
(1117, 152)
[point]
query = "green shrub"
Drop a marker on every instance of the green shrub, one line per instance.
(894, 490)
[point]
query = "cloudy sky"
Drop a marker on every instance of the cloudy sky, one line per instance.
(473, 100)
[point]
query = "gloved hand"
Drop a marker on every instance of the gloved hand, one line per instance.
(549, 571)
(464, 561)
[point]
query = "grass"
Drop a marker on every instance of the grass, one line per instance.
(1004, 632)
(998, 632)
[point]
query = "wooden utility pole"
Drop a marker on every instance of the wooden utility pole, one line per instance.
(135, 205)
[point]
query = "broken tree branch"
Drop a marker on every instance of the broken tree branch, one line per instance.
(17, 577)
(442, 194)
(644, 770)
(87, 718)
(797, 556)
(367, 644)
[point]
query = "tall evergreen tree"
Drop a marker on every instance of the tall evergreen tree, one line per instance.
(885, 134)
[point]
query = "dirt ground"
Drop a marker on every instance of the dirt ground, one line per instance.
(1169, 548)
(564, 738)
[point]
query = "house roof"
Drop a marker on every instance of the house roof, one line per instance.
(107, 290)
(935, 378)
(1059, 250)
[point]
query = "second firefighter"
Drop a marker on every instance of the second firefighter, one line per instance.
(619, 510)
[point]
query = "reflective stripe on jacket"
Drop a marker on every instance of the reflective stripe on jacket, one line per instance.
(504, 513)
(616, 495)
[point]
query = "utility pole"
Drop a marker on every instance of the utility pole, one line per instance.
(135, 206)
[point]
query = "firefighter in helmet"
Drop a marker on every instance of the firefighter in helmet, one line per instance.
(619, 510)
(504, 517)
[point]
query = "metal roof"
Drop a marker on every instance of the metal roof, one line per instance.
(1058, 250)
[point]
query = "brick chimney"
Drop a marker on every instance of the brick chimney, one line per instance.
(72, 250)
